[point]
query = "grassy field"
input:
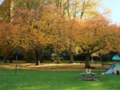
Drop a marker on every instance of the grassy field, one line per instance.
(54, 80)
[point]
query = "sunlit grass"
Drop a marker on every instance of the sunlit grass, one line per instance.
(54, 80)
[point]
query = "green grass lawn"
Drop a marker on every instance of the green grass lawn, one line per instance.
(54, 80)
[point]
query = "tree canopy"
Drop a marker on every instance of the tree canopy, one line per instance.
(45, 25)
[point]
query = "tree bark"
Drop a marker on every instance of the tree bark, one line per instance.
(71, 57)
(87, 64)
(5, 59)
(41, 60)
(41, 53)
(37, 58)
(58, 57)
(11, 60)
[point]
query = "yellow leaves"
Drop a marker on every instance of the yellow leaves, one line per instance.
(49, 28)
(95, 34)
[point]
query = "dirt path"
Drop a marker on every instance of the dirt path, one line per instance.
(55, 67)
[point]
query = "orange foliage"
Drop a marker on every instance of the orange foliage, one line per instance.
(53, 24)
(46, 27)
(96, 35)
(5, 41)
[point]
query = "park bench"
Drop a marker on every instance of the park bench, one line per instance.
(88, 72)
(91, 74)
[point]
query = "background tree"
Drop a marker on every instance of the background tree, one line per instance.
(78, 8)
(71, 29)
(88, 8)
(5, 9)
(24, 31)
(37, 34)
(29, 4)
(69, 9)
(5, 42)
(93, 36)
(53, 24)
(113, 43)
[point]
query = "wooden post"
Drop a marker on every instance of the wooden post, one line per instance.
(16, 65)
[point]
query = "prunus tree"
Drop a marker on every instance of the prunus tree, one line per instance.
(5, 42)
(95, 35)
(53, 24)
(78, 8)
(37, 34)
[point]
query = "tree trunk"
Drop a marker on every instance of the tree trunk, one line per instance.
(71, 57)
(11, 60)
(58, 57)
(41, 53)
(87, 64)
(37, 58)
(5, 59)
(41, 60)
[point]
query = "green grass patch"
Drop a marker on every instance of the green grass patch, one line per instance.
(99, 62)
(67, 61)
(55, 80)
(109, 62)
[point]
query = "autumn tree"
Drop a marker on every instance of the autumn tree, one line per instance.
(114, 42)
(24, 35)
(5, 19)
(29, 4)
(94, 35)
(5, 42)
(64, 6)
(72, 9)
(7, 7)
(37, 33)
(5, 11)
(70, 32)
(53, 24)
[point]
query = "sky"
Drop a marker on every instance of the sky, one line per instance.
(114, 6)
